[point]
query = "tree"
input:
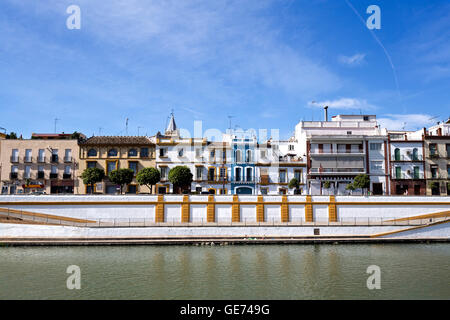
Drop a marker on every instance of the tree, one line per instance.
(148, 177)
(121, 177)
(12, 136)
(294, 184)
(362, 181)
(91, 176)
(350, 187)
(180, 177)
(76, 136)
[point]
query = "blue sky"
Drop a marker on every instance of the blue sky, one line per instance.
(261, 61)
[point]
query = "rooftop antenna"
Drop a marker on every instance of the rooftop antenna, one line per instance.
(126, 127)
(100, 131)
(404, 125)
(229, 119)
(56, 120)
(138, 130)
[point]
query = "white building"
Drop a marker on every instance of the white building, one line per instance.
(338, 150)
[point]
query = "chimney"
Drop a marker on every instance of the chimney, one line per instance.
(326, 112)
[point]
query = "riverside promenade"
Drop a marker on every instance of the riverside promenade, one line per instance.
(213, 219)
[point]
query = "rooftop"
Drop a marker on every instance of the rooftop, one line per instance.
(117, 140)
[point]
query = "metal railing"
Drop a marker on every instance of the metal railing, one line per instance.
(143, 222)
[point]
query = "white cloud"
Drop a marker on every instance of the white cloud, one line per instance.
(356, 59)
(405, 121)
(344, 103)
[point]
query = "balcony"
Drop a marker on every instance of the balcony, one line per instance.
(68, 159)
(28, 159)
(13, 175)
(336, 171)
(338, 153)
(243, 180)
(53, 176)
(217, 178)
(41, 175)
(407, 158)
(41, 159)
(264, 179)
(54, 158)
(434, 155)
(406, 176)
(67, 176)
(15, 159)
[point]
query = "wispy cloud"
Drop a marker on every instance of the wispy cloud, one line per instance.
(354, 60)
(406, 121)
(344, 103)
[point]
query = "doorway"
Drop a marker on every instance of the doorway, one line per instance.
(377, 189)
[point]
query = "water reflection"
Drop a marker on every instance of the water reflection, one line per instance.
(227, 272)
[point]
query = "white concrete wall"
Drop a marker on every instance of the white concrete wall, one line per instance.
(117, 207)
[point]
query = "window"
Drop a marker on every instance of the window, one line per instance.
(92, 164)
(54, 169)
(447, 148)
(92, 153)
(237, 175)
(249, 155)
(448, 171)
(110, 166)
(375, 146)
(144, 152)
(249, 174)
(263, 153)
(349, 132)
(212, 154)
(67, 169)
(54, 155)
(163, 173)
(282, 176)
(15, 155)
(41, 173)
(223, 173)
(416, 172)
(224, 155)
(433, 149)
(28, 155)
(133, 153)
(27, 172)
(163, 152)
(237, 156)
(434, 171)
(415, 154)
(132, 188)
(211, 173)
(198, 152)
(133, 166)
(264, 191)
(112, 153)
(376, 165)
(397, 154)
(366, 118)
(398, 172)
(291, 147)
(180, 152)
(298, 175)
(68, 155)
(199, 173)
(41, 155)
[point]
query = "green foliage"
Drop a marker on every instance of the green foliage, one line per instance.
(91, 176)
(433, 185)
(350, 187)
(121, 177)
(327, 184)
(293, 184)
(148, 177)
(76, 136)
(180, 176)
(12, 136)
(362, 181)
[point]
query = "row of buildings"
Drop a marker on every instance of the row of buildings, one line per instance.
(324, 156)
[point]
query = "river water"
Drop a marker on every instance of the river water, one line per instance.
(407, 271)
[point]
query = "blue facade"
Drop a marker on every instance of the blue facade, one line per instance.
(243, 166)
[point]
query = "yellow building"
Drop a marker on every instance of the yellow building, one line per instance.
(114, 152)
(30, 165)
